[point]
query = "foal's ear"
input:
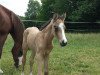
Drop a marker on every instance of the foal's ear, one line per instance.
(63, 16)
(55, 16)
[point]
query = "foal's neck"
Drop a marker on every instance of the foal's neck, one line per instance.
(48, 34)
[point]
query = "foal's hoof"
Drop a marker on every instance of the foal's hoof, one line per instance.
(31, 73)
(22, 73)
(1, 71)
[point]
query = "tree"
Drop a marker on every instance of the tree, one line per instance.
(33, 9)
(86, 11)
(77, 10)
(46, 9)
(32, 12)
(97, 5)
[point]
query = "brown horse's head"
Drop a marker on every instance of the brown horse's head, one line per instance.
(59, 28)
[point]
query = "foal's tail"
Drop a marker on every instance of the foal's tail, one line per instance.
(24, 48)
(24, 44)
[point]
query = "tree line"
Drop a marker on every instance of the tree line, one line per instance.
(76, 10)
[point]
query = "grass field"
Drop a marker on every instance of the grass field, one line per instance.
(80, 57)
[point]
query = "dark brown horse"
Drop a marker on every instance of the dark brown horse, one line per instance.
(10, 23)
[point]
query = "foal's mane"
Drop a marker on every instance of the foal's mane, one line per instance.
(45, 25)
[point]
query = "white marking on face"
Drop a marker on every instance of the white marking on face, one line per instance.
(61, 25)
(20, 60)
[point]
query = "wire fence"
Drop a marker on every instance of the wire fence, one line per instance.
(65, 21)
(70, 26)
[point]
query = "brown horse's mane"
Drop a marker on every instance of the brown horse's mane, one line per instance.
(45, 25)
(17, 24)
(12, 15)
(5, 9)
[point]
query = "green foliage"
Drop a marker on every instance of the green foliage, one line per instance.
(33, 9)
(46, 9)
(84, 12)
(61, 6)
(97, 5)
(77, 10)
(32, 12)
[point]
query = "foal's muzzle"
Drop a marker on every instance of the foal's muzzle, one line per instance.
(63, 43)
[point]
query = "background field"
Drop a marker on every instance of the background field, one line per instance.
(80, 57)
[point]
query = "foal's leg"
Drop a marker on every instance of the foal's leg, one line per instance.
(24, 60)
(25, 49)
(40, 60)
(46, 58)
(2, 40)
(32, 61)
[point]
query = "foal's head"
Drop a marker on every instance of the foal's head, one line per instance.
(58, 28)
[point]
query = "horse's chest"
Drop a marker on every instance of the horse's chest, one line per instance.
(48, 49)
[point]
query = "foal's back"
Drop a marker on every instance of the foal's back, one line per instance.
(29, 36)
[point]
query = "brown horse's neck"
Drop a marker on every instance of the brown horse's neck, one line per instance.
(48, 34)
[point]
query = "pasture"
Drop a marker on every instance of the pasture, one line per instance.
(80, 57)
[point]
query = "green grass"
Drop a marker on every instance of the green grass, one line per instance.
(80, 57)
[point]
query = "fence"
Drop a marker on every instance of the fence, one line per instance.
(70, 26)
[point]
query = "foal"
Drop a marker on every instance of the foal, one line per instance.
(40, 42)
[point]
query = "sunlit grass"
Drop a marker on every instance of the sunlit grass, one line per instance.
(80, 57)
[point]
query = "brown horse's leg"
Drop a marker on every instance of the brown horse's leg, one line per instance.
(2, 40)
(46, 65)
(16, 48)
(15, 51)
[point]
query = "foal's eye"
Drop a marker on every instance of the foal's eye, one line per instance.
(56, 28)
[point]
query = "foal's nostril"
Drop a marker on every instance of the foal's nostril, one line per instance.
(63, 43)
